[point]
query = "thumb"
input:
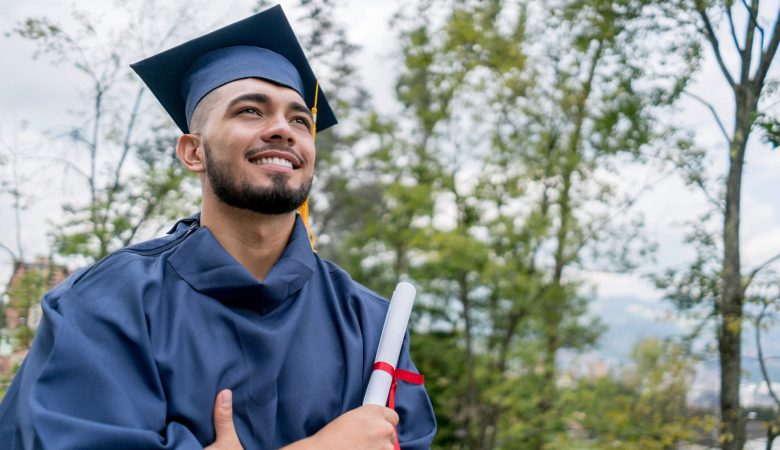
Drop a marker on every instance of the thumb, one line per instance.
(223, 421)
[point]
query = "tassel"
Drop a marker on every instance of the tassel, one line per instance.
(303, 210)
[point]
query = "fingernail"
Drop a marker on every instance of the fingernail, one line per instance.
(227, 398)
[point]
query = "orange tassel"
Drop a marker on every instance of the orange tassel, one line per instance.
(303, 210)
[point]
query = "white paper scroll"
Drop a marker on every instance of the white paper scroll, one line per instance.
(390, 343)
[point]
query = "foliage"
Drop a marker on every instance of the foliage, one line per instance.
(767, 294)
(714, 287)
(121, 154)
(643, 406)
(489, 193)
(24, 297)
(335, 211)
(128, 166)
(495, 190)
(20, 311)
(771, 130)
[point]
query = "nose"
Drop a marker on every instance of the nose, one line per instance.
(278, 130)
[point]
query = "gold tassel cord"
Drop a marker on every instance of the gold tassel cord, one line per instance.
(314, 109)
(303, 210)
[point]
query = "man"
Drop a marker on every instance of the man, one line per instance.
(233, 304)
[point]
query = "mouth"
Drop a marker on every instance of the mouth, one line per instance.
(273, 162)
(275, 159)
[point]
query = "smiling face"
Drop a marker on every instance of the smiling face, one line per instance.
(257, 140)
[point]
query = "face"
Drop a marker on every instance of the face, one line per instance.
(258, 145)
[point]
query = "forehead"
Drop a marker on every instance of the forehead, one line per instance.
(276, 93)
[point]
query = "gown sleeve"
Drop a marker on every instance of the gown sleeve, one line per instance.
(417, 426)
(90, 380)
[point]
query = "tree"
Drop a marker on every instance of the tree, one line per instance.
(336, 202)
(643, 406)
(766, 294)
(130, 173)
(505, 144)
(31, 281)
(13, 187)
(717, 283)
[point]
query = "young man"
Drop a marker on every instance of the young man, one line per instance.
(233, 304)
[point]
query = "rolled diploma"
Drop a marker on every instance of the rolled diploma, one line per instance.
(390, 343)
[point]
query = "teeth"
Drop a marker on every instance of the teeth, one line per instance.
(274, 161)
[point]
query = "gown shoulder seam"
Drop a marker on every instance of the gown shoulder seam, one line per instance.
(142, 252)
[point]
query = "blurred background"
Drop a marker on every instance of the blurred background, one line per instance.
(584, 192)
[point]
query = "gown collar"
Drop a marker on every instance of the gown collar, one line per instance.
(205, 265)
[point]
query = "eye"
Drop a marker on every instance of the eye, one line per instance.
(249, 110)
(302, 120)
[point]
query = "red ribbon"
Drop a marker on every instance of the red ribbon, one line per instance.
(397, 374)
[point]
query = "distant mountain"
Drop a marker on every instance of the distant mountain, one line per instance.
(630, 319)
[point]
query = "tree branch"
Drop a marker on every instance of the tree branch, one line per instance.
(17, 196)
(697, 330)
(758, 269)
(75, 135)
(709, 33)
(700, 183)
(769, 54)
(15, 263)
(10, 252)
(761, 361)
(714, 114)
(126, 141)
(733, 30)
(746, 54)
(152, 204)
(753, 15)
(64, 161)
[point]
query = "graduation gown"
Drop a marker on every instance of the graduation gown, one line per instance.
(131, 352)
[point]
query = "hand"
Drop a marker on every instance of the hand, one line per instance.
(227, 439)
(369, 427)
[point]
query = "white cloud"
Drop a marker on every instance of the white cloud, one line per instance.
(644, 312)
(619, 285)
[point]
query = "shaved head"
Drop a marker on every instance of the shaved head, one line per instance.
(202, 110)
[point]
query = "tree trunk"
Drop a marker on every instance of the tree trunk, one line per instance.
(732, 428)
(474, 421)
(771, 434)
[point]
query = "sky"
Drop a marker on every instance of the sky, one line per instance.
(38, 98)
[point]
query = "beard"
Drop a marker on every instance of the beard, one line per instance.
(279, 198)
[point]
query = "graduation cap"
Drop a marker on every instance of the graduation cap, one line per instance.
(260, 46)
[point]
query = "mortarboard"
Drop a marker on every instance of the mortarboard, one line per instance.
(260, 46)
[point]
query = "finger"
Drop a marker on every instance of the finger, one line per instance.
(393, 437)
(223, 420)
(391, 416)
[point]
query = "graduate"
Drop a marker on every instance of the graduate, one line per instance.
(229, 332)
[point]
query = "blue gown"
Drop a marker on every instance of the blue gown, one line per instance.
(132, 351)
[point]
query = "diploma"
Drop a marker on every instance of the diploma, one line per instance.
(390, 343)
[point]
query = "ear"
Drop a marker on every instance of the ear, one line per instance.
(190, 152)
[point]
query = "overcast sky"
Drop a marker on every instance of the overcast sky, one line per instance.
(37, 97)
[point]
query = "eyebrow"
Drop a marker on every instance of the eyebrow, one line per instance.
(264, 99)
(253, 97)
(295, 106)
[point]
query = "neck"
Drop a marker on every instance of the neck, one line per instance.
(255, 240)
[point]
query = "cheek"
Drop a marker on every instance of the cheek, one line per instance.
(307, 149)
(231, 146)
(311, 158)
